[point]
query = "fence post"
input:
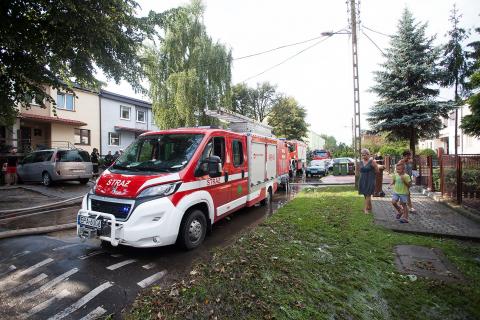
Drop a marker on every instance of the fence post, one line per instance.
(459, 179)
(440, 159)
(431, 187)
(419, 162)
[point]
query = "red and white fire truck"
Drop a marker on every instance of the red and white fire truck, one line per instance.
(173, 185)
(298, 157)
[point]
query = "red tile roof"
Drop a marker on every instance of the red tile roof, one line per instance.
(51, 119)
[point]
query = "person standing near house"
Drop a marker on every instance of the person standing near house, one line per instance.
(366, 184)
(12, 161)
(108, 159)
(116, 155)
(94, 159)
(407, 161)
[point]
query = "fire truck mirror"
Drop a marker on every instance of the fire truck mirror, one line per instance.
(214, 166)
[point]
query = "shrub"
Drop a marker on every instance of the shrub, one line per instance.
(391, 151)
(427, 152)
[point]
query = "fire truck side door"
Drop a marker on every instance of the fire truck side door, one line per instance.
(238, 172)
(217, 187)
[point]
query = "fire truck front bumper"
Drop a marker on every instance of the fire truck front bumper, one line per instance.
(150, 224)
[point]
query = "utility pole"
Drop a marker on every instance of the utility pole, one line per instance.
(356, 91)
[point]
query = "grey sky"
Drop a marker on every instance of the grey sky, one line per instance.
(321, 77)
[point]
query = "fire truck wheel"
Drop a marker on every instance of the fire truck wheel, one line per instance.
(193, 230)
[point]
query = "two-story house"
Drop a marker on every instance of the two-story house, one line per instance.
(446, 140)
(74, 122)
(122, 120)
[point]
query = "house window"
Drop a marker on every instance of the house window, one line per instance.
(141, 116)
(34, 100)
(237, 153)
(113, 139)
(37, 132)
(82, 136)
(125, 112)
(65, 101)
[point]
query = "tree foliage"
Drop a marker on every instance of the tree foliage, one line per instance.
(287, 118)
(471, 123)
(58, 43)
(188, 72)
(407, 108)
(255, 103)
(264, 98)
(242, 100)
(343, 150)
(330, 142)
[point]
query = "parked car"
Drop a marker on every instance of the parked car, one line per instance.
(317, 167)
(350, 161)
(48, 166)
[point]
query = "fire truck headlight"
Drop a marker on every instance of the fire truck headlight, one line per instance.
(162, 190)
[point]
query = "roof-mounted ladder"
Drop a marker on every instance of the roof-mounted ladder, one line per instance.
(240, 123)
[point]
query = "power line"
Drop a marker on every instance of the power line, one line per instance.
(383, 34)
(277, 48)
(371, 40)
(291, 57)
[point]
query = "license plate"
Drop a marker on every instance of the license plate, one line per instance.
(85, 221)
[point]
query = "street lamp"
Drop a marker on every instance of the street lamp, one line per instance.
(331, 33)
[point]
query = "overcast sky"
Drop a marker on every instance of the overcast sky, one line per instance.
(319, 78)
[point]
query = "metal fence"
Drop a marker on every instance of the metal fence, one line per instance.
(461, 178)
(425, 172)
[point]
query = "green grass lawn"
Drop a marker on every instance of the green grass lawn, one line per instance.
(318, 257)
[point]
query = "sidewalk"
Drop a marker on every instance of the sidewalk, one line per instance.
(432, 217)
(350, 179)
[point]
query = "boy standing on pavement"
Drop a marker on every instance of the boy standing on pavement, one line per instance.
(12, 161)
(408, 163)
(401, 182)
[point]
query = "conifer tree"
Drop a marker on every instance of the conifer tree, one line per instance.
(407, 108)
(454, 64)
(471, 122)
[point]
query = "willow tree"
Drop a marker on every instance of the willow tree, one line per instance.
(188, 72)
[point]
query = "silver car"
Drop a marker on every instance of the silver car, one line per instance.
(48, 166)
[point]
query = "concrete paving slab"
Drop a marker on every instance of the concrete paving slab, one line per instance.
(425, 262)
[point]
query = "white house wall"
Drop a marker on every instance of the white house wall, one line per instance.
(110, 117)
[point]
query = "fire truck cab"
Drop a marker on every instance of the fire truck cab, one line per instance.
(172, 186)
(298, 157)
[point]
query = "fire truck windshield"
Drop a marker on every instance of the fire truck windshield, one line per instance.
(159, 153)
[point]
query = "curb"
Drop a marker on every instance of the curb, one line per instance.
(34, 231)
(437, 235)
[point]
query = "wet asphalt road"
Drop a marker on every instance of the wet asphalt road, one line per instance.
(58, 277)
